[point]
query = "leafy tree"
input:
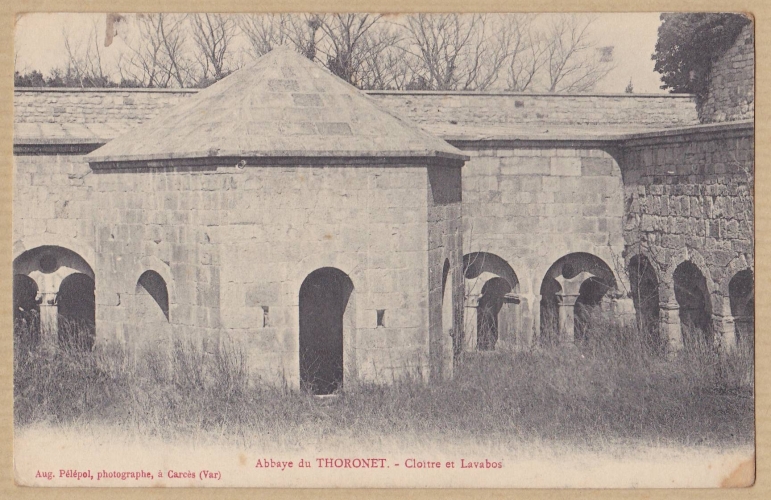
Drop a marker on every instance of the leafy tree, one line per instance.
(689, 43)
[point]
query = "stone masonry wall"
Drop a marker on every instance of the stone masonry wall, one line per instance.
(121, 109)
(445, 243)
(160, 221)
(368, 221)
(239, 241)
(689, 197)
(732, 82)
(534, 205)
(489, 110)
(52, 204)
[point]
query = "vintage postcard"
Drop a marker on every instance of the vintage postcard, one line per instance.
(409, 251)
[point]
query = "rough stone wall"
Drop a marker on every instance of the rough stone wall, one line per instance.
(445, 243)
(689, 197)
(52, 204)
(532, 206)
(731, 93)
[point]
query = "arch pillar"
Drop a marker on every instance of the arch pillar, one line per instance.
(470, 322)
(567, 304)
(724, 325)
(508, 322)
(669, 325)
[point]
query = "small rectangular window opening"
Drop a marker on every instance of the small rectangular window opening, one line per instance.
(381, 317)
(265, 316)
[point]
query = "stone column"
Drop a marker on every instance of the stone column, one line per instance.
(49, 318)
(567, 309)
(470, 323)
(525, 320)
(725, 332)
(508, 322)
(623, 309)
(567, 302)
(669, 326)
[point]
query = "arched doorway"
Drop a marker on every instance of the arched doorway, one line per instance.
(645, 295)
(77, 308)
(324, 316)
(693, 299)
(571, 292)
(494, 285)
(741, 294)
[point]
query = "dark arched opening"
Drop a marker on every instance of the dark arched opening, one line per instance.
(497, 316)
(645, 295)
(153, 285)
(76, 321)
(693, 298)
(324, 297)
(26, 311)
(490, 304)
(589, 299)
(589, 295)
(741, 294)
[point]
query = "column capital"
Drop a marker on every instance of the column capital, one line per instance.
(47, 298)
(567, 299)
(669, 306)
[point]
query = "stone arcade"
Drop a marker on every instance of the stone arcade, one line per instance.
(293, 213)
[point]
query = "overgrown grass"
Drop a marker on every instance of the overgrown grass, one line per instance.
(611, 387)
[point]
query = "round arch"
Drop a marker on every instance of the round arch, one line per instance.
(588, 295)
(30, 243)
(492, 281)
(326, 326)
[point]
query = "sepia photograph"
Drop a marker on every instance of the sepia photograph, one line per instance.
(424, 250)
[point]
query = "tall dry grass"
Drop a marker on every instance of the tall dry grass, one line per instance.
(613, 386)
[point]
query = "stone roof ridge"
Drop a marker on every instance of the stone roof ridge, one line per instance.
(282, 105)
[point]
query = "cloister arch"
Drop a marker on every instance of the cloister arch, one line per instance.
(326, 318)
(493, 289)
(575, 283)
(644, 284)
(64, 297)
(741, 294)
(694, 300)
(77, 311)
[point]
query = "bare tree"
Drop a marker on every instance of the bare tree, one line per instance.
(84, 66)
(266, 31)
(456, 52)
(213, 35)
(384, 66)
(527, 48)
(574, 63)
(346, 36)
(158, 55)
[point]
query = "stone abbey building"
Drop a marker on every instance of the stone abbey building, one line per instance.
(336, 233)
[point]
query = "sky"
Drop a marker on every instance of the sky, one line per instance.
(40, 45)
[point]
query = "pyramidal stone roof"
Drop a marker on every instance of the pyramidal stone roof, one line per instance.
(284, 105)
